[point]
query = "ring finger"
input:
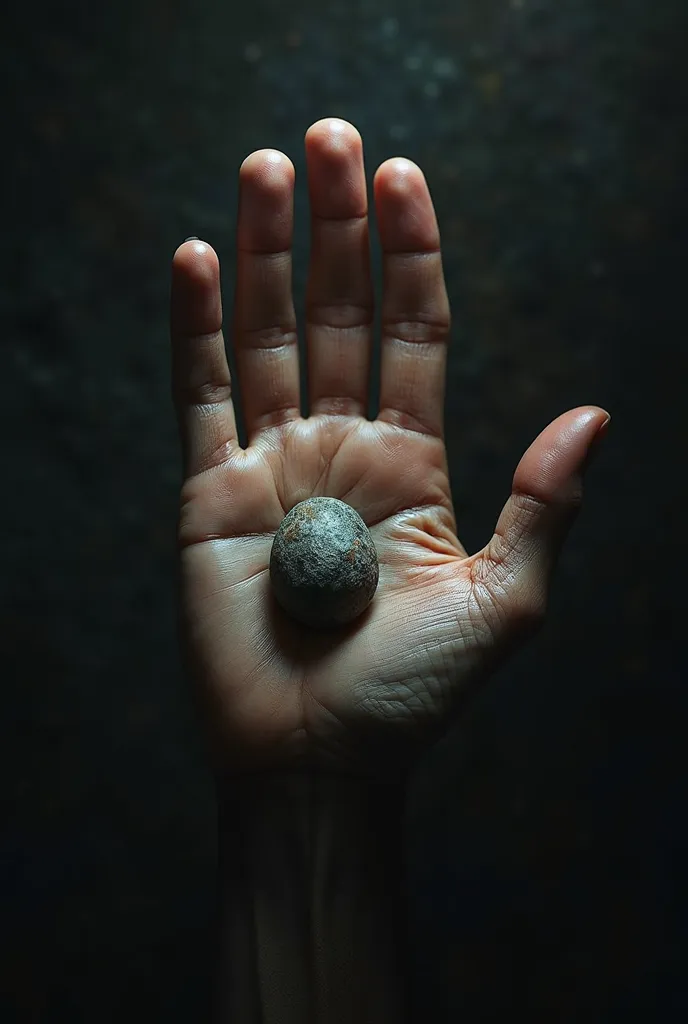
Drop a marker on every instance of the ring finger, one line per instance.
(265, 338)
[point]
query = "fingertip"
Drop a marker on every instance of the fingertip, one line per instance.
(336, 175)
(195, 258)
(558, 453)
(405, 212)
(399, 175)
(195, 289)
(191, 248)
(578, 422)
(267, 167)
(334, 133)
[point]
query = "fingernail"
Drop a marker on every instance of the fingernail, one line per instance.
(192, 238)
(602, 431)
(595, 443)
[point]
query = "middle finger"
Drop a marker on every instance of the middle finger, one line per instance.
(339, 300)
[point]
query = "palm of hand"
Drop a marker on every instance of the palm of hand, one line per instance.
(365, 698)
(288, 691)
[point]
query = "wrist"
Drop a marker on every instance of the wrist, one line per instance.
(312, 900)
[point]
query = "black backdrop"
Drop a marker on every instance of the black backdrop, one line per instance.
(547, 832)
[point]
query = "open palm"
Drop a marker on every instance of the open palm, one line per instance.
(366, 698)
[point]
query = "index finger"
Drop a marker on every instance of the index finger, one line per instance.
(415, 307)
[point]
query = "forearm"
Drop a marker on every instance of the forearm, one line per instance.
(312, 923)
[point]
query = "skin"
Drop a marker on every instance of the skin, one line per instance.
(366, 699)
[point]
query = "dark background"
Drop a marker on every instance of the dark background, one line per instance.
(547, 833)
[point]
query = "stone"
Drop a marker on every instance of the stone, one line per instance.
(324, 568)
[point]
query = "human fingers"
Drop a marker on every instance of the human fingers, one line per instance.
(265, 339)
(201, 386)
(415, 306)
(339, 298)
(512, 574)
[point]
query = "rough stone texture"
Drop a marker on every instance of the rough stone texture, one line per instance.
(548, 834)
(323, 566)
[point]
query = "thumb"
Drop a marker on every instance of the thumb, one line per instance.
(512, 573)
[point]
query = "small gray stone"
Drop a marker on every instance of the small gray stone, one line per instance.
(323, 566)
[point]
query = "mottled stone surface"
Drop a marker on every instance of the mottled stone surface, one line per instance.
(323, 566)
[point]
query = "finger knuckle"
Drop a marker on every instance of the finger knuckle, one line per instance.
(207, 392)
(507, 607)
(429, 331)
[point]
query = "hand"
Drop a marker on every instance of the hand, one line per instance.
(368, 698)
